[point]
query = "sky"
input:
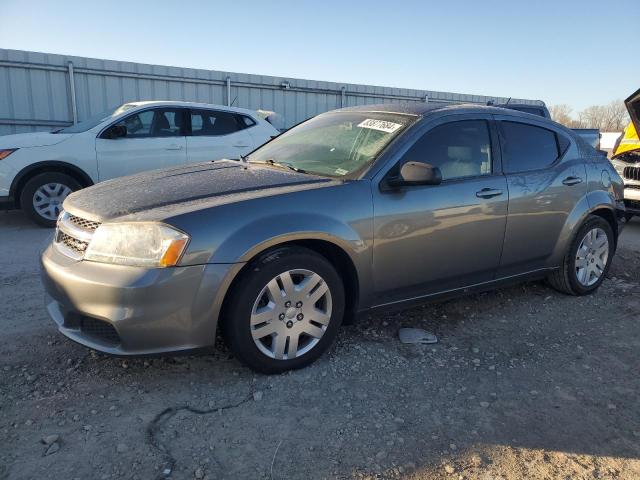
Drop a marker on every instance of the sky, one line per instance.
(578, 52)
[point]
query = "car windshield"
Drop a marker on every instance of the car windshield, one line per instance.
(91, 122)
(334, 144)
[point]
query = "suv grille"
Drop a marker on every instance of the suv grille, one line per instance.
(631, 173)
(83, 223)
(78, 246)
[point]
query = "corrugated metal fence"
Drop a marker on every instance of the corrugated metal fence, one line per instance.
(40, 91)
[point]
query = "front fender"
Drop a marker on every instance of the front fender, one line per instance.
(272, 230)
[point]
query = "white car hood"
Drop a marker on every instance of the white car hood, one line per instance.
(35, 139)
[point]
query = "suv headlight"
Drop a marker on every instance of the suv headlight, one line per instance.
(139, 244)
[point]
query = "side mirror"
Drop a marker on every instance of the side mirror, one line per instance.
(415, 173)
(115, 131)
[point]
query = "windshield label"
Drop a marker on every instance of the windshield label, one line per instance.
(381, 125)
(341, 171)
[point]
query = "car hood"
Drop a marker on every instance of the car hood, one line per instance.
(36, 139)
(173, 186)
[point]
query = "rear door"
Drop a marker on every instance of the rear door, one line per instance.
(155, 139)
(546, 178)
(434, 238)
(216, 134)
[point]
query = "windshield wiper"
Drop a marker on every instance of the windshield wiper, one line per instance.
(271, 161)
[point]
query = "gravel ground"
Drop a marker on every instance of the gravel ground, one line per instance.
(524, 383)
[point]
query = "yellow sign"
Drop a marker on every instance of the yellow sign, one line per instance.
(629, 142)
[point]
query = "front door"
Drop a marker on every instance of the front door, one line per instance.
(154, 139)
(430, 239)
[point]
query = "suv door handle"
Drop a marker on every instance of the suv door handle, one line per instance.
(174, 146)
(572, 180)
(488, 193)
(240, 145)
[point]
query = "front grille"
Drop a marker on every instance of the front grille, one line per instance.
(83, 223)
(73, 244)
(631, 173)
(99, 330)
(74, 234)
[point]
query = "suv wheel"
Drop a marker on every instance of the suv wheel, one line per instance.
(588, 259)
(285, 311)
(42, 196)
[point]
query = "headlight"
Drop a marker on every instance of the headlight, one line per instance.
(137, 244)
(6, 152)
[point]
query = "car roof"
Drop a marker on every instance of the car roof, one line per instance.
(424, 109)
(174, 103)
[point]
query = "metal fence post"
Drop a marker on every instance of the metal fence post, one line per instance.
(228, 91)
(343, 96)
(72, 89)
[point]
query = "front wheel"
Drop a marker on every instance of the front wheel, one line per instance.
(285, 310)
(587, 260)
(42, 196)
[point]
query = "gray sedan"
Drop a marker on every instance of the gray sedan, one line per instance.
(354, 210)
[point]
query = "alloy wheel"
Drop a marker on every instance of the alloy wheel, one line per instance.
(591, 257)
(291, 314)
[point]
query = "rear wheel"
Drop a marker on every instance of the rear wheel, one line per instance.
(588, 259)
(42, 196)
(285, 310)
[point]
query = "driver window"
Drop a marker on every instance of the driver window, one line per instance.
(153, 123)
(458, 149)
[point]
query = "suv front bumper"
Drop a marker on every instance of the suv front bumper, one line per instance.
(124, 310)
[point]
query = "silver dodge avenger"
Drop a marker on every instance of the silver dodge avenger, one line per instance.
(355, 210)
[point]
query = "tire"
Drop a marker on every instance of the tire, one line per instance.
(255, 310)
(569, 278)
(57, 186)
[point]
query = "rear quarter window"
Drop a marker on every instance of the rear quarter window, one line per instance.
(528, 147)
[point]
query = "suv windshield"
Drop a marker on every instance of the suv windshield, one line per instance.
(91, 122)
(334, 144)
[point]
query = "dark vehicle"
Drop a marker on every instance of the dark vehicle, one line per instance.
(355, 210)
(589, 135)
(539, 110)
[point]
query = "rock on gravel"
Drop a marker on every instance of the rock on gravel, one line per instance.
(49, 439)
(53, 448)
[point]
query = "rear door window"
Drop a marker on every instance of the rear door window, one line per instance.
(215, 123)
(527, 147)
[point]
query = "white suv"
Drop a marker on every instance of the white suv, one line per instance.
(38, 170)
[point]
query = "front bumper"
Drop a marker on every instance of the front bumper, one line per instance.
(632, 199)
(124, 310)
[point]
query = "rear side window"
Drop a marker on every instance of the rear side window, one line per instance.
(527, 147)
(214, 123)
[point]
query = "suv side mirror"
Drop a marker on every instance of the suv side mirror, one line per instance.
(415, 173)
(115, 131)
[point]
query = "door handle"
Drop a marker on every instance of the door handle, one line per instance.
(572, 180)
(488, 193)
(241, 145)
(174, 147)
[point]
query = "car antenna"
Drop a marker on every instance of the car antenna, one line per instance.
(234, 101)
(508, 100)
